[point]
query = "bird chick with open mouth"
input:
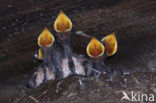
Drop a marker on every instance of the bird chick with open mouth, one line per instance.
(70, 63)
(63, 26)
(59, 61)
(44, 73)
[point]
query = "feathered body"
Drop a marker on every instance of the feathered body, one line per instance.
(59, 61)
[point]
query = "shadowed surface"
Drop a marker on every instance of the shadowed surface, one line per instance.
(22, 21)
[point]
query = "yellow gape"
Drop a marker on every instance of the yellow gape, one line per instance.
(45, 39)
(40, 54)
(95, 48)
(62, 23)
(110, 43)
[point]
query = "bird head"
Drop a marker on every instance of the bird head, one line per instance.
(95, 48)
(63, 26)
(45, 39)
(110, 43)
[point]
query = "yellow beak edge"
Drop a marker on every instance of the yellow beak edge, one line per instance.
(110, 43)
(40, 54)
(95, 48)
(62, 23)
(45, 39)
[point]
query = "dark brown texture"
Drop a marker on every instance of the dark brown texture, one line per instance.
(134, 22)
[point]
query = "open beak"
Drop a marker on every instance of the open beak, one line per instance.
(110, 43)
(40, 54)
(62, 23)
(45, 39)
(63, 26)
(95, 48)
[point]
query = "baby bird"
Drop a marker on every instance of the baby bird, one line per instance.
(59, 61)
(45, 70)
(70, 63)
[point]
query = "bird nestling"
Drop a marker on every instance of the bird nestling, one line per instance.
(63, 26)
(110, 43)
(95, 48)
(58, 59)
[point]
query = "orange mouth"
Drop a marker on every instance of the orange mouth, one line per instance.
(110, 43)
(95, 48)
(45, 38)
(62, 23)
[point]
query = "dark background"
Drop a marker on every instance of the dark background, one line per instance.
(134, 22)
